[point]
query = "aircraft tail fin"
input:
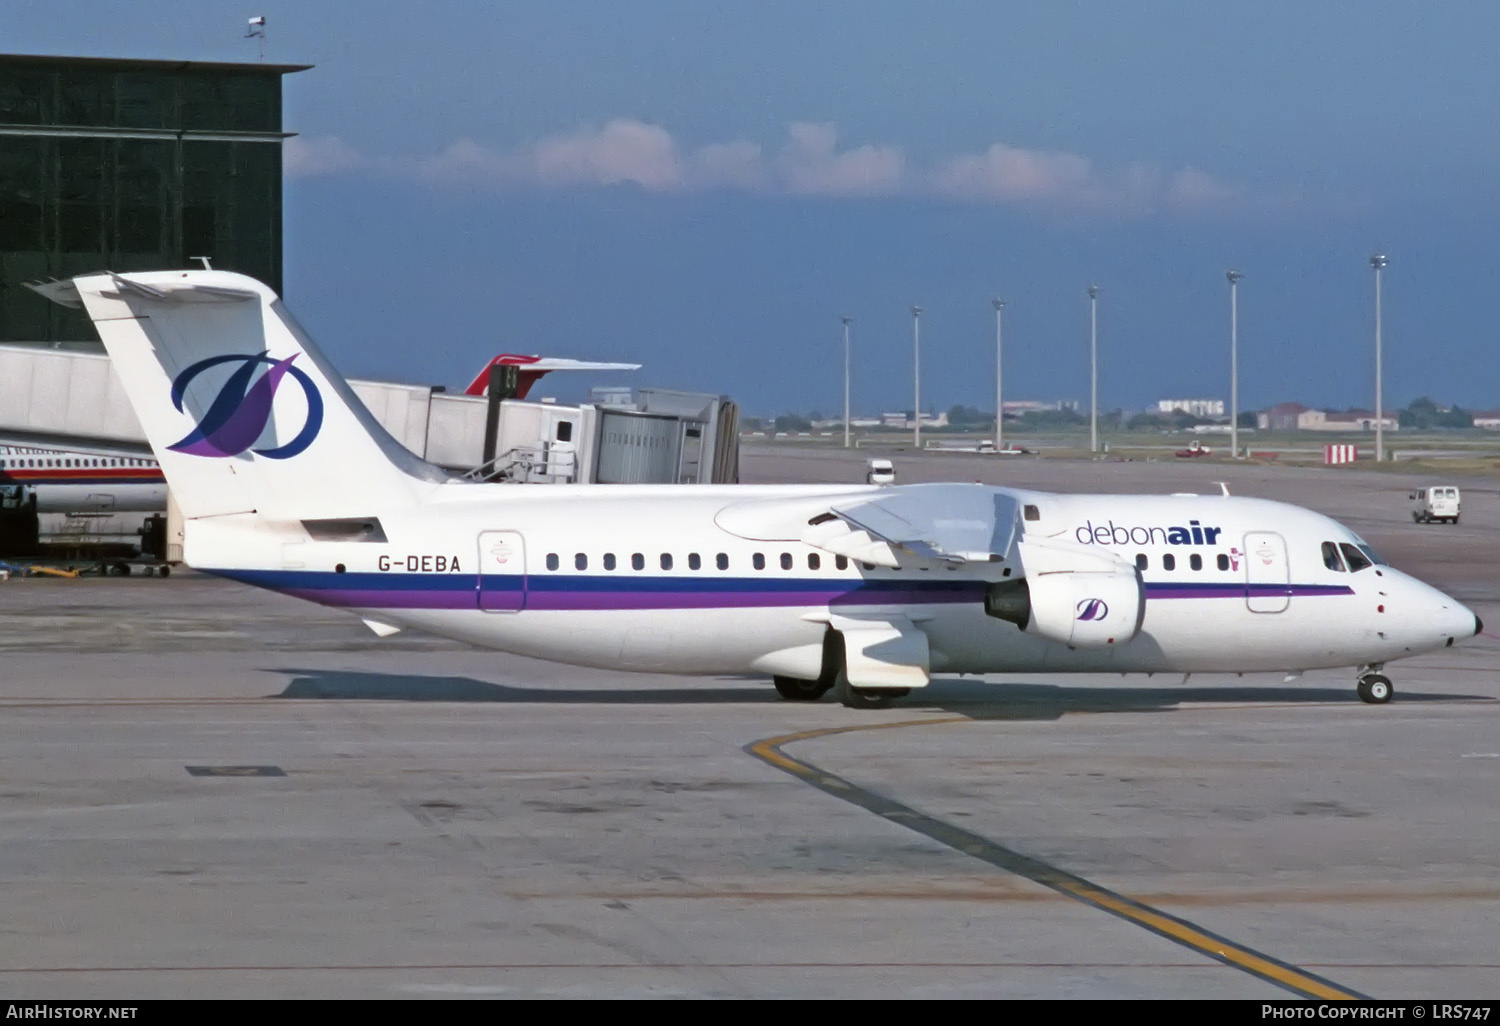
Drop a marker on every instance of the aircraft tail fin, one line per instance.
(242, 410)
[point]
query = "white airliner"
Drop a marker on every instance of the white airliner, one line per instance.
(288, 483)
(79, 480)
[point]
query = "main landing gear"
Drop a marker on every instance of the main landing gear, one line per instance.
(795, 689)
(1374, 688)
(832, 678)
(867, 698)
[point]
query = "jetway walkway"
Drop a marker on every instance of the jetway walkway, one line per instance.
(71, 396)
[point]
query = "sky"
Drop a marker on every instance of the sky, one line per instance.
(707, 188)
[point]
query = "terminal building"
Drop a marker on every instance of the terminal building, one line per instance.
(133, 165)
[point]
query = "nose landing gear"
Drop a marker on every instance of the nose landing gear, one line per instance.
(1372, 687)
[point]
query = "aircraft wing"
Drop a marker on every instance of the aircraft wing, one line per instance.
(953, 522)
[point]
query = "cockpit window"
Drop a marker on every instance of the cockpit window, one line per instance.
(1356, 558)
(1331, 558)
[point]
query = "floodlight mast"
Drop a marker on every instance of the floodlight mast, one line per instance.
(1378, 262)
(916, 348)
(999, 305)
(1234, 363)
(1093, 368)
(846, 321)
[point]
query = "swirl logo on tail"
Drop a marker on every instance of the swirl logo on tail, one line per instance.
(240, 412)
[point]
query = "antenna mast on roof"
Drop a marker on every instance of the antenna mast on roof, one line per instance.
(257, 30)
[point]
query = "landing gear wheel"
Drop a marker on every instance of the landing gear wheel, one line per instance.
(1374, 689)
(795, 689)
(869, 698)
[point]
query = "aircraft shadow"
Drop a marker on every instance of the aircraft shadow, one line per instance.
(351, 685)
(974, 698)
(983, 700)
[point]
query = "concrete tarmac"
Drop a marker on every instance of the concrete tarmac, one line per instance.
(209, 791)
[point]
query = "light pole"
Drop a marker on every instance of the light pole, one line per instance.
(846, 321)
(1234, 363)
(1378, 261)
(1093, 368)
(999, 394)
(916, 377)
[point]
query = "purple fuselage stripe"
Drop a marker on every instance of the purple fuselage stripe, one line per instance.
(462, 591)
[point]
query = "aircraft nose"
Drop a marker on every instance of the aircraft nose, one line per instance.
(1478, 624)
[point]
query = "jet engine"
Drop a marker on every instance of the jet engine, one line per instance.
(1082, 598)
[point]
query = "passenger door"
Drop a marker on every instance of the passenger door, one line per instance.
(1267, 573)
(502, 572)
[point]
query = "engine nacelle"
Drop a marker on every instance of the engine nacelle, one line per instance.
(1073, 596)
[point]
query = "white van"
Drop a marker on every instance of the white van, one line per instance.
(1438, 503)
(881, 472)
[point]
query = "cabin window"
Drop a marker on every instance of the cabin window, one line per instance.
(786, 561)
(1142, 561)
(637, 561)
(609, 561)
(841, 562)
(722, 561)
(868, 566)
(813, 561)
(1223, 561)
(552, 563)
(694, 563)
(580, 562)
(1195, 561)
(666, 561)
(1331, 557)
(1169, 562)
(1355, 558)
(758, 561)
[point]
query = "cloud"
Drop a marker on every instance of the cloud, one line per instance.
(311, 156)
(626, 152)
(622, 151)
(810, 165)
(1008, 173)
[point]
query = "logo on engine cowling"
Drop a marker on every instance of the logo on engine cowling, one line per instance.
(1092, 609)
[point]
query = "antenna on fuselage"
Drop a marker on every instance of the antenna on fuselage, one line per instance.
(1223, 488)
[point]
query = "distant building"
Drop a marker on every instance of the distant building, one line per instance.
(1487, 419)
(1015, 407)
(613, 397)
(902, 420)
(1192, 407)
(1281, 417)
(1296, 417)
(1347, 420)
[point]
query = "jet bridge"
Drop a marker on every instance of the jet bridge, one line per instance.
(71, 396)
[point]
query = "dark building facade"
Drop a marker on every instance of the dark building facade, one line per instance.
(133, 165)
